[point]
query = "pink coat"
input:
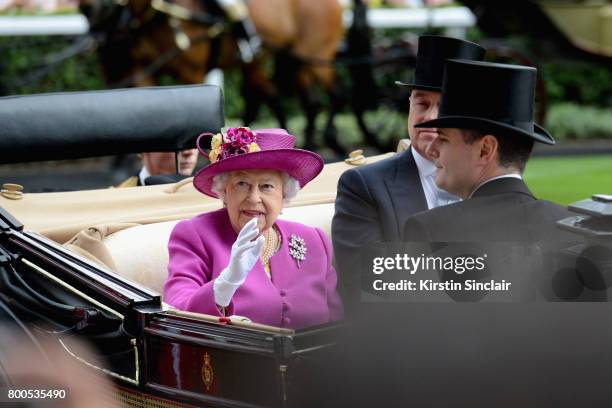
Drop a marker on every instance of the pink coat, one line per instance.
(294, 297)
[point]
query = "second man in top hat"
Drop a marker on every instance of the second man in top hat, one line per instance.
(482, 148)
(374, 201)
(480, 153)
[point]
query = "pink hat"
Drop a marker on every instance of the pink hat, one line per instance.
(243, 149)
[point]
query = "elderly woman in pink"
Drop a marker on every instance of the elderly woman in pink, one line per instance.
(242, 260)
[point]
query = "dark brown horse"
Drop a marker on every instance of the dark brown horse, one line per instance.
(185, 39)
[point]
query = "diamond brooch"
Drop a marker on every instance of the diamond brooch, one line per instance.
(297, 249)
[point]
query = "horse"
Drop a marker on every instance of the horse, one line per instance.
(143, 39)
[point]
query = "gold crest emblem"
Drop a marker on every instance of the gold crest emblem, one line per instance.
(207, 372)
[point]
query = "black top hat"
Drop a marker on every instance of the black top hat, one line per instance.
(433, 52)
(495, 98)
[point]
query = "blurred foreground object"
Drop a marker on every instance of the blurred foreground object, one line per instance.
(24, 368)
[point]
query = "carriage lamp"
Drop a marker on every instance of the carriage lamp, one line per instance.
(356, 158)
(594, 260)
(594, 222)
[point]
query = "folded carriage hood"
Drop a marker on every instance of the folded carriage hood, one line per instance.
(70, 125)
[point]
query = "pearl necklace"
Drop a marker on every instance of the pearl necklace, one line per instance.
(272, 245)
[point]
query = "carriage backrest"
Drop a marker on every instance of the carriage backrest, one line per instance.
(136, 246)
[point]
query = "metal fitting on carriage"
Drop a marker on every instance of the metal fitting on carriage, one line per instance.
(7, 257)
(12, 191)
(356, 158)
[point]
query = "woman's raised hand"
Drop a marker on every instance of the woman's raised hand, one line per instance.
(245, 252)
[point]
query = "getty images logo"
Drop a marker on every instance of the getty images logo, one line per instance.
(411, 264)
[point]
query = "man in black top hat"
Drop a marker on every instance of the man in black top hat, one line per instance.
(485, 137)
(374, 201)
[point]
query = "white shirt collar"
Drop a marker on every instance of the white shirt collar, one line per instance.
(434, 196)
(144, 173)
(516, 176)
(426, 167)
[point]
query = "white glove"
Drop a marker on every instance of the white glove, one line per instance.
(243, 257)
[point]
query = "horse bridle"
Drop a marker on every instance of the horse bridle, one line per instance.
(128, 23)
(177, 14)
(100, 13)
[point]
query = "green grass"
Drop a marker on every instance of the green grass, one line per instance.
(566, 180)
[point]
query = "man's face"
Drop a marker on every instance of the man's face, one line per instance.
(423, 106)
(159, 163)
(188, 159)
(457, 162)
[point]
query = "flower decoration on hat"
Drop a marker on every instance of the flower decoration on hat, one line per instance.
(240, 148)
(235, 141)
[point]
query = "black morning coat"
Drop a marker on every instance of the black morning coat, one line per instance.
(499, 210)
(372, 205)
(504, 210)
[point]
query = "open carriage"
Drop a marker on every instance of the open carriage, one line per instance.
(105, 283)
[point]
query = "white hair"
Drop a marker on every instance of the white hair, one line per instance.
(290, 186)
